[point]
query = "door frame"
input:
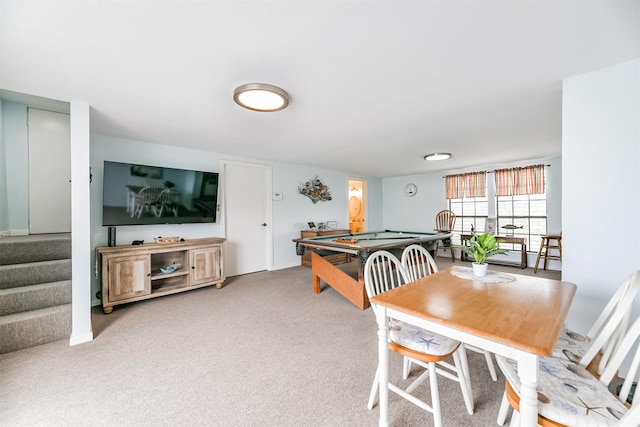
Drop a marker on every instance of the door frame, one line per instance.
(365, 204)
(58, 157)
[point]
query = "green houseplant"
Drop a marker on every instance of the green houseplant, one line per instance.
(480, 248)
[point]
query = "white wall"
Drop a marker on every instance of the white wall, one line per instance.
(418, 213)
(601, 185)
(4, 207)
(16, 144)
(81, 330)
(289, 215)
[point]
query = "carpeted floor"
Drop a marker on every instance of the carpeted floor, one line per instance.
(261, 351)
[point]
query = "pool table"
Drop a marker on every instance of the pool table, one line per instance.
(360, 245)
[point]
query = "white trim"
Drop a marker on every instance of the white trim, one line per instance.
(80, 339)
(7, 233)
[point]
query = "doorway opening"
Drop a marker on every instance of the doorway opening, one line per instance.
(357, 197)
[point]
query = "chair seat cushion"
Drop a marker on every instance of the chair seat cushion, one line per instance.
(419, 339)
(569, 394)
(571, 345)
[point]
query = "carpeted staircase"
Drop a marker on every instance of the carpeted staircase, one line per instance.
(35, 290)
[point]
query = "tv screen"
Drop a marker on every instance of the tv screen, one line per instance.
(136, 194)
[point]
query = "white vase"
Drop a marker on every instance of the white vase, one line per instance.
(480, 270)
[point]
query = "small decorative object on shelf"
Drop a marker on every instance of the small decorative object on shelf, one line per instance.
(315, 190)
(168, 269)
(172, 239)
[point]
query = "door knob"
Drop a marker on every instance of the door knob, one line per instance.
(264, 224)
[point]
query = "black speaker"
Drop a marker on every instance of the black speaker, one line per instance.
(112, 236)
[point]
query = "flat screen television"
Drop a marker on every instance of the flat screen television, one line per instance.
(135, 194)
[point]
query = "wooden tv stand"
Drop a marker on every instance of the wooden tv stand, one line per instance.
(132, 272)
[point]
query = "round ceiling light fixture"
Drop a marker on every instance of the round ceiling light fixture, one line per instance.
(261, 97)
(437, 156)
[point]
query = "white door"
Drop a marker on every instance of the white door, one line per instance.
(49, 172)
(247, 217)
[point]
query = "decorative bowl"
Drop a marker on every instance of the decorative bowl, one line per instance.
(168, 269)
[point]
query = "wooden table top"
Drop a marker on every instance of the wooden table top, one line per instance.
(527, 313)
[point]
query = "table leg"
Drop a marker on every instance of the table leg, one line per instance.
(383, 365)
(528, 373)
(316, 284)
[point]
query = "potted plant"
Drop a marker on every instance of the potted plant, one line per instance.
(480, 248)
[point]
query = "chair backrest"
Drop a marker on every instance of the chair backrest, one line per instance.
(148, 195)
(610, 327)
(418, 262)
(383, 271)
(168, 196)
(445, 220)
(629, 346)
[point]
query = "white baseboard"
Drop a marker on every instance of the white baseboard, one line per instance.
(9, 233)
(81, 339)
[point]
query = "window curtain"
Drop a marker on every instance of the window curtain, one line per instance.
(519, 181)
(472, 184)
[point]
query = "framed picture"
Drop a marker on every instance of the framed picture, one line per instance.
(322, 226)
(491, 226)
(311, 224)
(332, 225)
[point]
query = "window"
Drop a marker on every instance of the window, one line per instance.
(528, 213)
(470, 212)
(518, 197)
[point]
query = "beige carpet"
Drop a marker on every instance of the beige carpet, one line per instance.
(261, 351)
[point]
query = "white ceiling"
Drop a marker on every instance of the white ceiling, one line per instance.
(374, 85)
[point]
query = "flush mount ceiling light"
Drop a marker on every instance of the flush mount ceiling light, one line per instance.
(261, 97)
(437, 156)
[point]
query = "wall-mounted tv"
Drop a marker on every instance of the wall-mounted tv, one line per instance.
(135, 194)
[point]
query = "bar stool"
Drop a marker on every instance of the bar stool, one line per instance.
(545, 246)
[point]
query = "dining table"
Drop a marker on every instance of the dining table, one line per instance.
(513, 315)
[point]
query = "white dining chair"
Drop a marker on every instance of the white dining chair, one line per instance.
(419, 263)
(169, 200)
(569, 395)
(594, 350)
(145, 200)
(606, 333)
(383, 271)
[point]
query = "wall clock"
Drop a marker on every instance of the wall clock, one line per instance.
(410, 190)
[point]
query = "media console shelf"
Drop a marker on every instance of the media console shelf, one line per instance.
(132, 272)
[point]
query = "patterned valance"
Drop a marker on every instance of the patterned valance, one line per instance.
(519, 181)
(473, 184)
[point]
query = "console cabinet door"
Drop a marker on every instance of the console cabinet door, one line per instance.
(206, 265)
(129, 277)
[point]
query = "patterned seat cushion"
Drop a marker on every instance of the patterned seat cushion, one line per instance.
(420, 339)
(571, 345)
(568, 394)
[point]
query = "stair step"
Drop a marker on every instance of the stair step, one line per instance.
(32, 273)
(34, 297)
(32, 328)
(37, 247)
